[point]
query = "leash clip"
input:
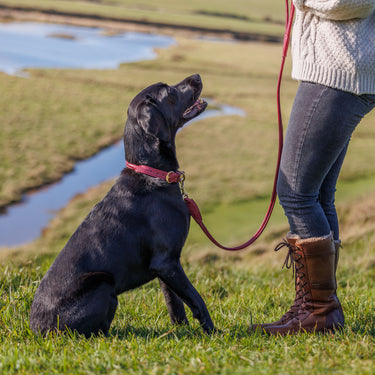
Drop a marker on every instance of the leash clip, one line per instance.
(171, 178)
(181, 183)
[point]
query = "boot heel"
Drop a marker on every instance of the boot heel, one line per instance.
(335, 320)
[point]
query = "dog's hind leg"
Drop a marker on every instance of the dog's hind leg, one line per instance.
(97, 314)
(91, 313)
(175, 306)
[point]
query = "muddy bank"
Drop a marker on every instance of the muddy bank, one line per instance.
(20, 13)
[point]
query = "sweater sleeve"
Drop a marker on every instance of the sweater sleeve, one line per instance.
(337, 10)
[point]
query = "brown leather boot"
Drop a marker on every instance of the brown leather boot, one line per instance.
(290, 261)
(320, 310)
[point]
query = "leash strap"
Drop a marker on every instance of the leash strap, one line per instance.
(179, 177)
(192, 206)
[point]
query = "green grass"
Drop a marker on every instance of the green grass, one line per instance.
(142, 341)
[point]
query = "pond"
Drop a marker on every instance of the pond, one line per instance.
(37, 45)
(32, 45)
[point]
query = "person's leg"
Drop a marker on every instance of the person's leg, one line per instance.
(319, 130)
(327, 194)
(317, 138)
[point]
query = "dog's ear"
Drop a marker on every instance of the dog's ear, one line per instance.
(150, 117)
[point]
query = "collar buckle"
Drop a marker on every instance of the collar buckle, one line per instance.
(168, 176)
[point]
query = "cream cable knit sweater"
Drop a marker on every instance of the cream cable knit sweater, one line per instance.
(333, 44)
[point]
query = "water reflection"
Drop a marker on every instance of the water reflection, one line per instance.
(37, 45)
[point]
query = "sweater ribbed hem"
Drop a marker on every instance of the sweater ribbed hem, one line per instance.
(355, 83)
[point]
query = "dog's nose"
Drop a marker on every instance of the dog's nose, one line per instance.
(196, 78)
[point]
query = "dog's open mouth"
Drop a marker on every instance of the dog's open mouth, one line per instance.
(195, 110)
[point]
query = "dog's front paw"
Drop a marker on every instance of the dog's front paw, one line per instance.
(209, 328)
(179, 321)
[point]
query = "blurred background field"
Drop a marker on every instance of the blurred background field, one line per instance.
(58, 116)
(239, 16)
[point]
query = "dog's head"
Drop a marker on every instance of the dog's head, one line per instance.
(155, 115)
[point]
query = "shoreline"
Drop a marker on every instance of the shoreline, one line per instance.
(18, 13)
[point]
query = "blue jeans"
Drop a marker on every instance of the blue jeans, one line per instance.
(318, 134)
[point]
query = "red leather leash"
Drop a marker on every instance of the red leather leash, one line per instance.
(193, 208)
(180, 176)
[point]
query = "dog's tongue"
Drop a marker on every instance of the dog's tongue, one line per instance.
(195, 109)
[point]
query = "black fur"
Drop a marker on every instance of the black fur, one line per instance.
(135, 234)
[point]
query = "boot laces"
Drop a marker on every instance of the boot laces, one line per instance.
(304, 294)
(293, 260)
(289, 260)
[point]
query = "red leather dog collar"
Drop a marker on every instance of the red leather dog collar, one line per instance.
(170, 177)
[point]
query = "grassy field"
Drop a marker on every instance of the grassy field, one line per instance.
(62, 116)
(65, 115)
(238, 289)
(142, 340)
(55, 117)
(240, 16)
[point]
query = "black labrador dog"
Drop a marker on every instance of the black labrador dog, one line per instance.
(135, 234)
